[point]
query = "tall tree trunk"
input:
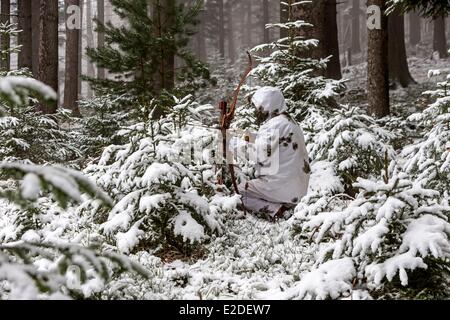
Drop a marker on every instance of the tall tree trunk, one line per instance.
(414, 29)
(89, 43)
(265, 21)
(48, 49)
(35, 9)
(230, 32)
(398, 63)
(72, 76)
(356, 37)
(439, 38)
(201, 38)
(314, 13)
(164, 79)
(284, 17)
(5, 39)
(25, 58)
(377, 65)
(221, 23)
(248, 25)
(331, 41)
(169, 59)
(80, 52)
(101, 35)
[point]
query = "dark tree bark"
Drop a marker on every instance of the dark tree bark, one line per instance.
(5, 17)
(25, 58)
(265, 21)
(377, 65)
(80, 52)
(48, 49)
(284, 17)
(248, 24)
(35, 9)
(356, 37)
(164, 15)
(415, 35)
(439, 38)
(89, 43)
(398, 63)
(331, 41)
(201, 37)
(101, 35)
(221, 22)
(169, 60)
(72, 75)
(230, 32)
(314, 13)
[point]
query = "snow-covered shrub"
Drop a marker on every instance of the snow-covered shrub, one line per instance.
(429, 158)
(164, 195)
(28, 135)
(286, 65)
(389, 230)
(63, 183)
(355, 144)
(58, 271)
(42, 269)
(103, 117)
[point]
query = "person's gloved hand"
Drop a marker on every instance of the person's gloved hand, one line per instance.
(249, 137)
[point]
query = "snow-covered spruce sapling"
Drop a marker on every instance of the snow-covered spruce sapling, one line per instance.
(429, 159)
(355, 144)
(285, 64)
(104, 116)
(390, 230)
(30, 136)
(22, 272)
(58, 271)
(164, 195)
(153, 81)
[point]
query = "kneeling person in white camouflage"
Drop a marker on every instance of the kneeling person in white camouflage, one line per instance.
(282, 160)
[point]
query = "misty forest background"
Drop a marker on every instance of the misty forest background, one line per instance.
(101, 199)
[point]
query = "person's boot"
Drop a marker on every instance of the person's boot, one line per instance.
(280, 214)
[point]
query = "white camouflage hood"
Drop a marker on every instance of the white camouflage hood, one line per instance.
(271, 99)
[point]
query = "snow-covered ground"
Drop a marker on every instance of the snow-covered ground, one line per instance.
(254, 258)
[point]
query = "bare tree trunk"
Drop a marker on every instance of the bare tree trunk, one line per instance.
(230, 32)
(248, 25)
(72, 63)
(398, 63)
(265, 21)
(35, 9)
(25, 58)
(169, 59)
(101, 35)
(314, 13)
(221, 28)
(5, 39)
(48, 49)
(331, 41)
(284, 17)
(201, 37)
(439, 38)
(414, 29)
(356, 37)
(377, 65)
(80, 52)
(164, 15)
(89, 43)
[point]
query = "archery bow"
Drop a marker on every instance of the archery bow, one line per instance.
(227, 115)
